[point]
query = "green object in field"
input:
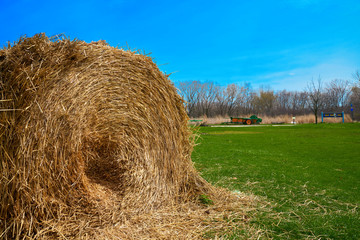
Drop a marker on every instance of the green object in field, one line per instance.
(205, 199)
(251, 120)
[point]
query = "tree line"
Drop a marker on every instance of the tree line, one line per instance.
(210, 99)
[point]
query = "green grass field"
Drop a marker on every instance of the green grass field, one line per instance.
(307, 176)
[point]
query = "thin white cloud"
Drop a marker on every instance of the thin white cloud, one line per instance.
(332, 69)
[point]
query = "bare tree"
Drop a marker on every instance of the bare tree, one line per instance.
(234, 99)
(283, 101)
(315, 93)
(190, 93)
(227, 99)
(247, 96)
(207, 97)
(233, 94)
(210, 99)
(356, 76)
(264, 102)
(337, 94)
(355, 101)
(298, 102)
(355, 95)
(221, 99)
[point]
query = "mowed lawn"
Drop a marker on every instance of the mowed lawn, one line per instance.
(307, 177)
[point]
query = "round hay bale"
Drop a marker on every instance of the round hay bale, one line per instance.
(88, 132)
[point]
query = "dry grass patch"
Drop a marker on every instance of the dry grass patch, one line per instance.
(299, 119)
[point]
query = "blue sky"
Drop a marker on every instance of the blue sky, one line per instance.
(281, 44)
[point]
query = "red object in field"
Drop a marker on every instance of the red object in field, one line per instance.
(248, 121)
